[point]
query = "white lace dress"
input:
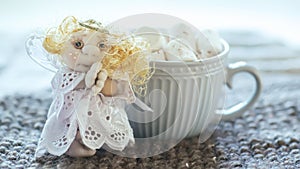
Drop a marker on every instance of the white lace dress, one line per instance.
(99, 119)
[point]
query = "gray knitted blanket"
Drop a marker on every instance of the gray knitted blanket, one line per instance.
(266, 137)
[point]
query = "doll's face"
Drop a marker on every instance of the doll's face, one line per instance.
(83, 49)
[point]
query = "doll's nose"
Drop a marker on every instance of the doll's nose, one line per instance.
(90, 50)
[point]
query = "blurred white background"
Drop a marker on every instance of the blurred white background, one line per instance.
(20, 18)
(274, 16)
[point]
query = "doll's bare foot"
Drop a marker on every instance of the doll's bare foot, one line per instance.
(78, 149)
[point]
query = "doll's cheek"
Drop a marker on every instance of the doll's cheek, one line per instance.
(70, 59)
(73, 56)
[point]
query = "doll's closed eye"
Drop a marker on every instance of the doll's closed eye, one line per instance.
(78, 44)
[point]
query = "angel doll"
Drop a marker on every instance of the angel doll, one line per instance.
(97, 74)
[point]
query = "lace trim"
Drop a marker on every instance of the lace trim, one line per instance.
(98, 122)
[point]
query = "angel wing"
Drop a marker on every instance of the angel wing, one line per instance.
(34, 48)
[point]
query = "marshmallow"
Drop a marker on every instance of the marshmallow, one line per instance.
(185, 33)
(152, 36)
(158, 55)
(177, 51)
(208, 43)
(184, 43)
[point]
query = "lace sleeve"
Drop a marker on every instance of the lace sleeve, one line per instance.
(124, 90)
(65, 81)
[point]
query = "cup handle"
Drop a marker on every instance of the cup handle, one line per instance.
(237, 110)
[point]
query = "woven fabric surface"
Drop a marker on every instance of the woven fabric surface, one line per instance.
(265, 137)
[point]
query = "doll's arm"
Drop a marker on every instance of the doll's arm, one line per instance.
(124, 90)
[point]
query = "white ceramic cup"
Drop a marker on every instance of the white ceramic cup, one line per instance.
(187, 98)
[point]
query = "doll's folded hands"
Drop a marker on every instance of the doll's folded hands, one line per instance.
(92, 74)
(100, 80)
(95, 78)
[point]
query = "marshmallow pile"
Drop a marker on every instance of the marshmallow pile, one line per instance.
(181, 43)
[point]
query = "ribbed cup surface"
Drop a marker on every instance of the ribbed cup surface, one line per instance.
(184, 97)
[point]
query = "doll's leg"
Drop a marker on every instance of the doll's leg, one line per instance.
(78, 149)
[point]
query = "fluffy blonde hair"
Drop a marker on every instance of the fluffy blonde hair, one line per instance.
(125, 56)
(129, 56)
(56, 37)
